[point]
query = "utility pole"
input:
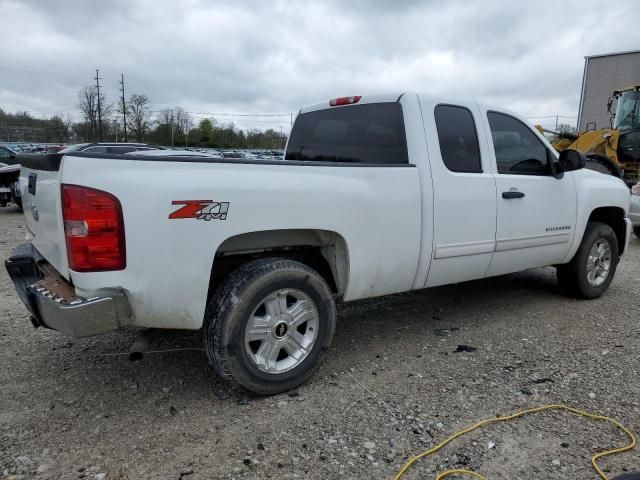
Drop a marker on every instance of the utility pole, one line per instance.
(97, 79)
(124, 106)
(172, 127)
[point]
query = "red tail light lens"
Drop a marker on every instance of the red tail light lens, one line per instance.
(635, 190)
(94, 229)
(336, 102)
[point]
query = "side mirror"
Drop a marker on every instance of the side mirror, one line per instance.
(571, 160)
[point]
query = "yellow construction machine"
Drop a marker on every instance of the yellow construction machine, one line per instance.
(614, 150)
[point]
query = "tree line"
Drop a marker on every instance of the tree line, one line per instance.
(101, 118)
(24, 127)
(169, 127)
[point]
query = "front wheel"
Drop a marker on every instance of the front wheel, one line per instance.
(636, 230)
(269, 325)
(590, 272)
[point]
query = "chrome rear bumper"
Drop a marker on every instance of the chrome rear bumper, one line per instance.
(53, 303)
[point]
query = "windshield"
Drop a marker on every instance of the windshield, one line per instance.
(628, 111)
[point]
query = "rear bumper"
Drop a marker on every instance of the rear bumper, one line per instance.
(52, 300)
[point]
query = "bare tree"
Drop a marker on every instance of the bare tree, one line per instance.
(176, 122)
(88, 103)
(166, 121)
(138, 116)
(189, 126)
(183, 121)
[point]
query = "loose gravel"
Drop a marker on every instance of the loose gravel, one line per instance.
(404, 372)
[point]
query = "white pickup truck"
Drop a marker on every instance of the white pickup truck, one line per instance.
(375, 195)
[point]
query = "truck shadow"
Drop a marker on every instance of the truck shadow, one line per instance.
(13, 209)
(175, 369)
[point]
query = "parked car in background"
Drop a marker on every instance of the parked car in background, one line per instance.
(233, 154)
(10, 185)
(117, 148)
(375, 195)
(16, 147)
(8, 155)
(55, 148)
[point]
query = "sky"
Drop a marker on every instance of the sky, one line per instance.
(272, 57)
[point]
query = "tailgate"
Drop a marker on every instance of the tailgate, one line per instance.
(40, 189)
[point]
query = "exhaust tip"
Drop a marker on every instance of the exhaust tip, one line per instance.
(136, 356)
(140, 345)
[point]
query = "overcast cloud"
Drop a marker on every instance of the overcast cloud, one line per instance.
(275, 56)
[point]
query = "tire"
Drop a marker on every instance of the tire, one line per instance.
(271, 297)
(636, 230)
(577, 278)
(17, 199)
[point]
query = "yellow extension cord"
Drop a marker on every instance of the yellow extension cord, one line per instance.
(521, 413)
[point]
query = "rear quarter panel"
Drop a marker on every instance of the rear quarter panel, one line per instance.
(375, 209)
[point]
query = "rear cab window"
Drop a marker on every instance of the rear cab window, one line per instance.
(369, 134)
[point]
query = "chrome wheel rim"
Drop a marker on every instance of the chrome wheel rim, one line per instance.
(599, 262)
(281, 331)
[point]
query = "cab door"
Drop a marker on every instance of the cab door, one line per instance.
(536, 212)
(464, 192)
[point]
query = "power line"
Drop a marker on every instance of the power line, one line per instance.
(231, 114)
(552, 116)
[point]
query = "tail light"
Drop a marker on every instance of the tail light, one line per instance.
(94, 229)
(635, 190)
(336, 102)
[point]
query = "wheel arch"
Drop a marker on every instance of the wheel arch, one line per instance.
(323, 250)
(614, 217)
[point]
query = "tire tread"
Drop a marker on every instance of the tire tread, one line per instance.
(570, 275)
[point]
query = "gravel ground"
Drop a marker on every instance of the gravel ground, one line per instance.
(393, 385)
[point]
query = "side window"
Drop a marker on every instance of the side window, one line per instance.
(458, 139)
(518, 150)
(4, 154)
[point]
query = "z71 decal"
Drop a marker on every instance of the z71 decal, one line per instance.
(200, 210)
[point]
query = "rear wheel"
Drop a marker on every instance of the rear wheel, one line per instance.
(636, 230)
(591, 270)
(269, 325)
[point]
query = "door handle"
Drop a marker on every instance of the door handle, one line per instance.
(512, 194)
